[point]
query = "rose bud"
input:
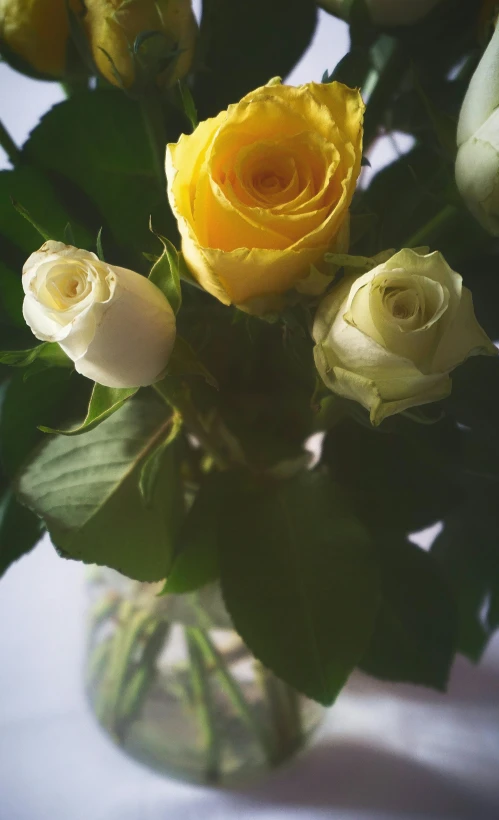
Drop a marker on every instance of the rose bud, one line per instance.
(389, 339)
(34, 35)
(116, 325)
(477, 163)
(166, 52)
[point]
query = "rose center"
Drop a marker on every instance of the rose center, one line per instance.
(67, 287)
(403, 304)
(268, 182)
(73, 288)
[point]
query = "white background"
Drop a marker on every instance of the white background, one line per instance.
(386, 752)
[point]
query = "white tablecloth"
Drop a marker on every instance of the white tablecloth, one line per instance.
(386, 752)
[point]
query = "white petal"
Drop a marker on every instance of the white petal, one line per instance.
(477, 174)
(82, 331)
(482, 97)
(134, 338)
(41, 322)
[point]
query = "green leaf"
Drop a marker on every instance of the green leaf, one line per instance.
(27, 216)
(25, 405)
(443, 125)
(104, 401)
(165, 273)
(107, 171)
(352, 69)
(400, 476)
(98, 246)
(18, 237)
(19, 531)
(48, 352)
(79, 39)
(41, 197)
(69, 237)
(184, 362)
(11, 298)
(474, 397)
(86, 490)
(468, 554)
(243, 44)
(299, 579)
(197, 562)
(151, 469)
(415, 636)
(188, 104)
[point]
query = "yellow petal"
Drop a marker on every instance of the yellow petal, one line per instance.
(183, 161)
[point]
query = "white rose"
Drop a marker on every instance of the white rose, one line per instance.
(115, 325)
(389, 339)
(477, 163)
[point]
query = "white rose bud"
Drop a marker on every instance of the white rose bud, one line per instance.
(115, 325)
(477, 163)
(389, 339)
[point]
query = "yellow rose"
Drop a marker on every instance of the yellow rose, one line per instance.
(262, 191)
(36, 32)
(113, 25)
(389, 338)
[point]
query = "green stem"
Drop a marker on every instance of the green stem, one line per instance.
(74, 86)
(179, 399)
(441, 219)
(8, 145)
(133, 696)
(284, 711)
(233, 690)
(96, 664)
(205, 707)
(385, 84)
(152, 115)
(340, 8)
(130, 626)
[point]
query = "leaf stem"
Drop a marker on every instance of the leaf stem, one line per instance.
(205, 706)
(177, 396)
(441, 219)
(340, 8)
(9, 146)
(152, 114)
(284, 708)
(385, 81)
(233, 690)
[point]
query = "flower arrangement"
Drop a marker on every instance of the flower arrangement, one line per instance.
(215, 286)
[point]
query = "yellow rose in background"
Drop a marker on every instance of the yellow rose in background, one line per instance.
(262, 191)
(389, 339)
(113, 25)
(37, 33)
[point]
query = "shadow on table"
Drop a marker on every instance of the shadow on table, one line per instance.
(355, 776)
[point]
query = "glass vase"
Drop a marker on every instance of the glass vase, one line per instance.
(176, 688)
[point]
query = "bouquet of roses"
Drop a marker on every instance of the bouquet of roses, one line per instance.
(199, 325)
